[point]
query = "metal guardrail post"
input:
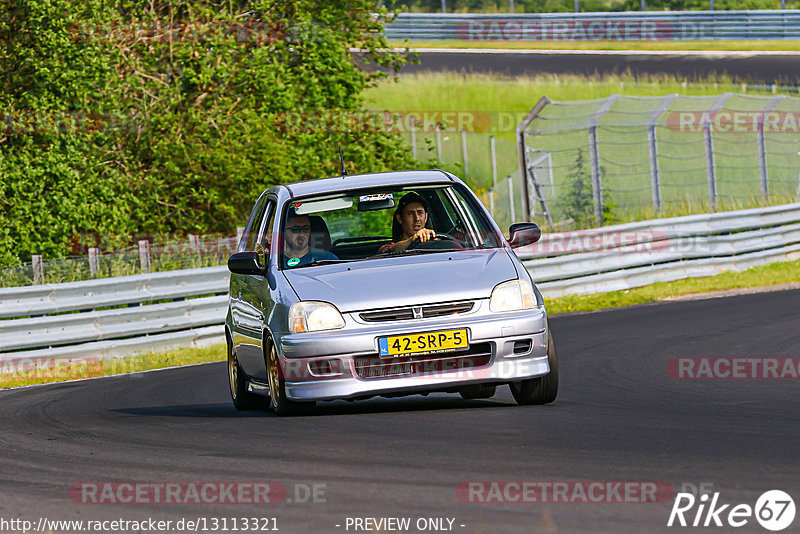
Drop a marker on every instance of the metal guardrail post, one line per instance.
(762, 145)
(655, 182)
(597, 181)
(521, 152)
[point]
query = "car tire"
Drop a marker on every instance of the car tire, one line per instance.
(237, 379)
(478, 391)
(542, 389)
(277, 389)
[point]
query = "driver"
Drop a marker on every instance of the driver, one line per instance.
(296, 249)
(410, 222)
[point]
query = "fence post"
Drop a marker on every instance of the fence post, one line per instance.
(494, 175)
(597, 182)
(413, 138)
(762, 146)
(522, 151)
(655, 181)
(144, 255)
(239, 234)
(511, 199)
(194, 242)
(711, 168)
(93, 260)
(655, 184)
(798, 187)
(38, 268)
(464, 153)
(438, 143)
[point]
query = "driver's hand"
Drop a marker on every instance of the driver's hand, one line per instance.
(424, 234)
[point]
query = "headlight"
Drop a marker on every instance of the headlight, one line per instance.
(312, 316)
(512, 295)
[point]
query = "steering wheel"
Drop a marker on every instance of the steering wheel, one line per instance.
(416, 243)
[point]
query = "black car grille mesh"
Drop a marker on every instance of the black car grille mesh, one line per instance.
(372, 366)
(407, 313)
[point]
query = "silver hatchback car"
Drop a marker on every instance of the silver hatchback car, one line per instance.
(384, 284)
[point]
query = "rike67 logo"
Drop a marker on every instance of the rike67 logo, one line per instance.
(774, 510)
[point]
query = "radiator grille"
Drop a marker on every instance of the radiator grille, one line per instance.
(372, 366)
(422, 312)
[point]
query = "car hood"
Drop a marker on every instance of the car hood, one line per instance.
(405, 280)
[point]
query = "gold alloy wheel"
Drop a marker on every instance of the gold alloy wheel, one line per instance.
(273, 377)
(233, 374)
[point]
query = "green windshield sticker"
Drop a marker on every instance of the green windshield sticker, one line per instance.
(292, 262)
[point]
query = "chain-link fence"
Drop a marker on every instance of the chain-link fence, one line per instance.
(147, 256)
(624, 158)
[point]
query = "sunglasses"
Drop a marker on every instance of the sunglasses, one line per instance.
(298, 229)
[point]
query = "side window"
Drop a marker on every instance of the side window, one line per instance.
(253, 224)
(265, 235)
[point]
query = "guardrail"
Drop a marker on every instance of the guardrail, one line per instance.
(111, 317)
(116, 316)
(606, 26)
(635, 254)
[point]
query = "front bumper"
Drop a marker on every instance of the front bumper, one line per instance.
(500, 334)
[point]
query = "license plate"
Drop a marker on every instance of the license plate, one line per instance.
(425, 343)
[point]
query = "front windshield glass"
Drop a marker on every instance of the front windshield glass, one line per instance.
(379, 223)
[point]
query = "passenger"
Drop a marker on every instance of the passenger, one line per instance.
(296, 249)
(410, 222)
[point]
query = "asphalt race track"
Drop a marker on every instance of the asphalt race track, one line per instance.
(619, 417)
(754, 67)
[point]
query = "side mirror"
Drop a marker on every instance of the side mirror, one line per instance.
(246, 263)
(523, 234)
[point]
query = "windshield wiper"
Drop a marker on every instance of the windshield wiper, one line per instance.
(324, 262)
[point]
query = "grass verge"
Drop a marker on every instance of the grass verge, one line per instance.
(766, 45)
(761, 276)
(33, 371)
(483, 92)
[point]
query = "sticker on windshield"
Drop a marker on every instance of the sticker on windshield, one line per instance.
(376, 198)
(292, 262)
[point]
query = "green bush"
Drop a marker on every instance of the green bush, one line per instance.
(134, 116)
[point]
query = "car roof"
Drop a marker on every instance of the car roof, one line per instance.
(358, 181)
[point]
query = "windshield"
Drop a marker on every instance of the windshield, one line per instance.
(378, 223)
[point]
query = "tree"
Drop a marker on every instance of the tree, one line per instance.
(172, 116)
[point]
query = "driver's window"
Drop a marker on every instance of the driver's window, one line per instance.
(265, 235)
(251, 231)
